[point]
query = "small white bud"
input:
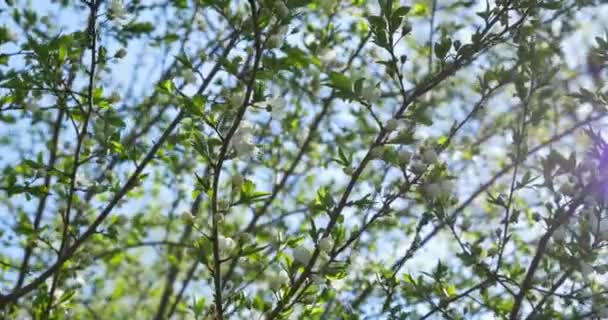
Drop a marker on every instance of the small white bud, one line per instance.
(188, 217)
(560, 233)
(371, 93)
(429, 156)
(301, 255)
(326, 244)
(225, 244)
(280, 280)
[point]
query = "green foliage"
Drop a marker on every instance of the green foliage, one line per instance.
(300, 159)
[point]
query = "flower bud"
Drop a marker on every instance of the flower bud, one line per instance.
(326, 244)
(225, 244)
(280, 280)
(301, 255)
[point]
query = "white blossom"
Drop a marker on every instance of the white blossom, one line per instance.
(82, 180)
(12, 36)
(429, 156)
(326, 244)
(200, 21)
(418, 167)
(329, 58)
(276, 105)
(226, 245)
(301, 255)
(432, 190)
(118, 12)
(371, 93)
(279, 280)
(243, 139)
(560, 233)
(189, 76)
(188, 217)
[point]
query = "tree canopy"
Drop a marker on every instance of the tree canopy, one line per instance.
(303, 159)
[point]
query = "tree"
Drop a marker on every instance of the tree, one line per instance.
(302, 159)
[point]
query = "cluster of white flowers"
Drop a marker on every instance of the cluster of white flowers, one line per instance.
(200, 21)
(189, 76)
(426, 156)
(118, 12)
(226, 246)
(279, 280)
(561, 233)
(276, 105)
(301, 255)
(371, 92)
(329, 59)
(326, 244)
(82, 181)
(439, 189)
(404, 157)
(188, 217)
(243, 139)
